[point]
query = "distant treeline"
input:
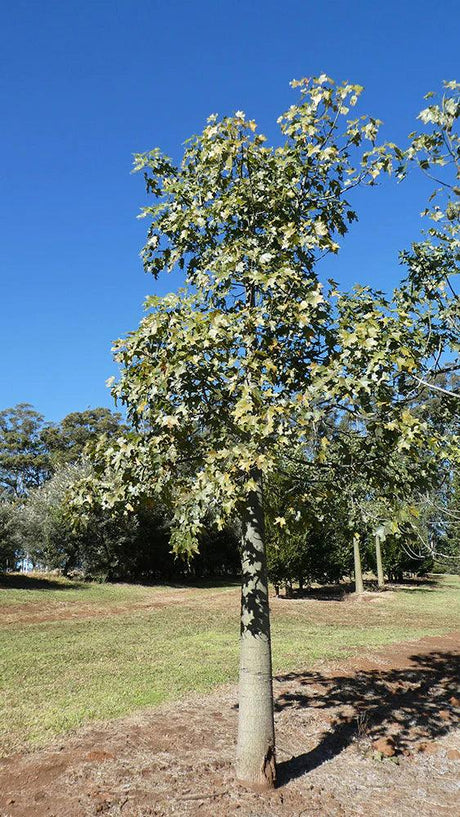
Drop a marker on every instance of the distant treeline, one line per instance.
(40, 463)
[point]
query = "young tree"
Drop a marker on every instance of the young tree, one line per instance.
(430, 287)
(429, 292)
(378, 560)
(220, 380)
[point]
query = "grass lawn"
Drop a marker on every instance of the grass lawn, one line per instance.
(74, 652)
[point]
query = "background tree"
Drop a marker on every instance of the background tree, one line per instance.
(111, 545)
(448, 522)
(66, 441)
(45, 533)
(429, 292)
(24, 458)
(313, 547)
(10, 540)
(432, 263)
(31, 450)
(372, 451)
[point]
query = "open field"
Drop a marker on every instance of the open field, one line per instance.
(72, 653)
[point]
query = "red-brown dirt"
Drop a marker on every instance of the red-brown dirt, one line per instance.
(331, 722)
(29, 614)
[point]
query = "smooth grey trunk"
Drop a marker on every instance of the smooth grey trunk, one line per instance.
(359, 586)
(378, 557)
(255, 755)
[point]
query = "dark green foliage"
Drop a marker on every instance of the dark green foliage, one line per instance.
(113, 545)
(151, 559)
(319, 553)
(449, 521)
(310, 547)
(31, 451)
(66, 440)
(9, 535)
(24, 458)
(401, 556)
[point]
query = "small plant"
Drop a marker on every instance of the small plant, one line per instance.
(362, 724)
(362, 739)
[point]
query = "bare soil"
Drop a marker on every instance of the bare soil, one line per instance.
(323, 604)
(335, 725)
(31, 613)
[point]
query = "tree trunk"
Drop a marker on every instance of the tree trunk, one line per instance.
(359, 586)
(378, 556)
(255, 756)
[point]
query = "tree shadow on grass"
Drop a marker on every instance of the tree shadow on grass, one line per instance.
(326, 592)
(339, 592)
(418, 581)
(28, 581)
(25, 581)
(424, 584)
(415, 704)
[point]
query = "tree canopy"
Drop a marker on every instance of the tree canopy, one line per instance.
(24, 458)
(225, 375)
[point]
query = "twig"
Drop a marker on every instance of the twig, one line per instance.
(204, 796)
(434, 387)
(284, 752)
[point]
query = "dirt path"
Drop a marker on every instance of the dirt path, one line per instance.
(177, 759)
(31, 613)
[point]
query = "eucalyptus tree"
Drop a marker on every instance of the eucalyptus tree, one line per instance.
(224, 379)
(24, 457)
(65, 441)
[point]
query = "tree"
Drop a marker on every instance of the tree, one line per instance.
(432, 263)
(24, 459)
(220, 380)
(10, 542)
(448, 519)
(314, 550)
(30, 449)
(108, 546)
(429, 293)
(66, 440)
(45, 533)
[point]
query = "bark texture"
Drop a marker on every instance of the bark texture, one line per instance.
(255, 757)
(359, 586)
(378, 557)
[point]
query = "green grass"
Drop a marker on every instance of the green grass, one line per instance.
(122, 647)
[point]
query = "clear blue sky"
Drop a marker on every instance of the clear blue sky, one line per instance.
(85, 84)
